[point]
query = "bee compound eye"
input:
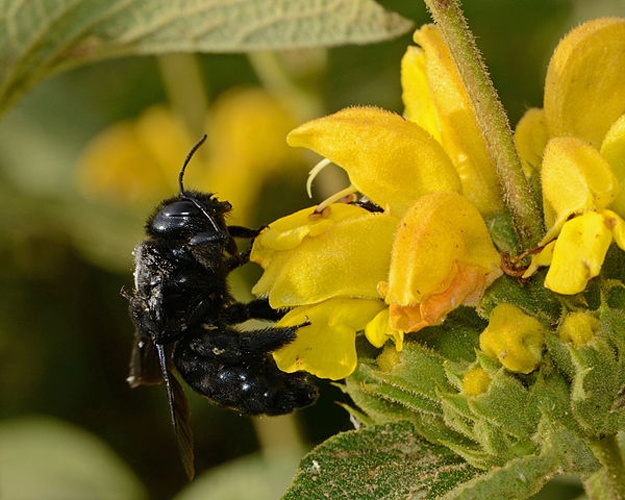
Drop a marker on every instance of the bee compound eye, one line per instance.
(175, 215)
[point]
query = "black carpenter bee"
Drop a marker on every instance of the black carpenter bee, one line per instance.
(185, 316)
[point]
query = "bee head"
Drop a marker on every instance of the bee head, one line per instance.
(191, 215)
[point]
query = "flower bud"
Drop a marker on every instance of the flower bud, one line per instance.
(514, 338)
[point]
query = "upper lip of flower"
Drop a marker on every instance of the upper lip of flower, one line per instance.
(391, 160)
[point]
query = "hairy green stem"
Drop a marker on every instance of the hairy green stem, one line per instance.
(492, 119)
(610, 483)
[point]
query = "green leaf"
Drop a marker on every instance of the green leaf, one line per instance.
(596, 388)
(45, 458)
(519, 478)
(458, 337)
(266, 475)
(363, 392)
(505, 406)
(386, 461)
(562, 452)
(383, 397)
(46, 37)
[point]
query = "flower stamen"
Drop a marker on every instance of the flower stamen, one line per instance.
(313, 174)
(343, 193)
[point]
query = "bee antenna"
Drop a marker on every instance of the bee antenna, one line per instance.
(187, 160)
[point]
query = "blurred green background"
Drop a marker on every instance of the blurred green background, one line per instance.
(67, 417)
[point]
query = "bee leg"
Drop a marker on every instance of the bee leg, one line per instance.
(256, 342)
(255, 309)
(234, 347)
(240, 258)
(244, 232)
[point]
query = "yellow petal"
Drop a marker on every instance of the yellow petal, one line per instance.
(391, 160)
(326, 348)
(348, 259)
(616, 225)
(288, 232)
(248, 126)
(575, 178)
(514, 338)
(531, 137)
(584, 91)
(541, 259)
(613, 150)
(442, 257)
(460, 134)
(378, 331)
(135, 161)
(168, 141)
(578, 253)
(418, 104)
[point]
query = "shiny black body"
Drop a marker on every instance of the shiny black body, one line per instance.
(186, 319)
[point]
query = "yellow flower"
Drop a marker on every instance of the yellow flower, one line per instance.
(578, 142)
(426, 252)
(137, 162)
(514, 338)
(442, 257)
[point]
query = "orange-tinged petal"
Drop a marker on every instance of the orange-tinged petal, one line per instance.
(442, 257)
(391, 160)
(461, 136)
(613, 150)
(578, 253)
(584, 91)
(326, 348)
(467, 287)
(575, 179)
(531, 137)
(348, 259)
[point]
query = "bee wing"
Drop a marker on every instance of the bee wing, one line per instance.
(179, 412)
(145, 367)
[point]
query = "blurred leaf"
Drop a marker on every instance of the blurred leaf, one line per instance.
(47, 459)
(384, 461)
(40, 39)
(267, 477)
